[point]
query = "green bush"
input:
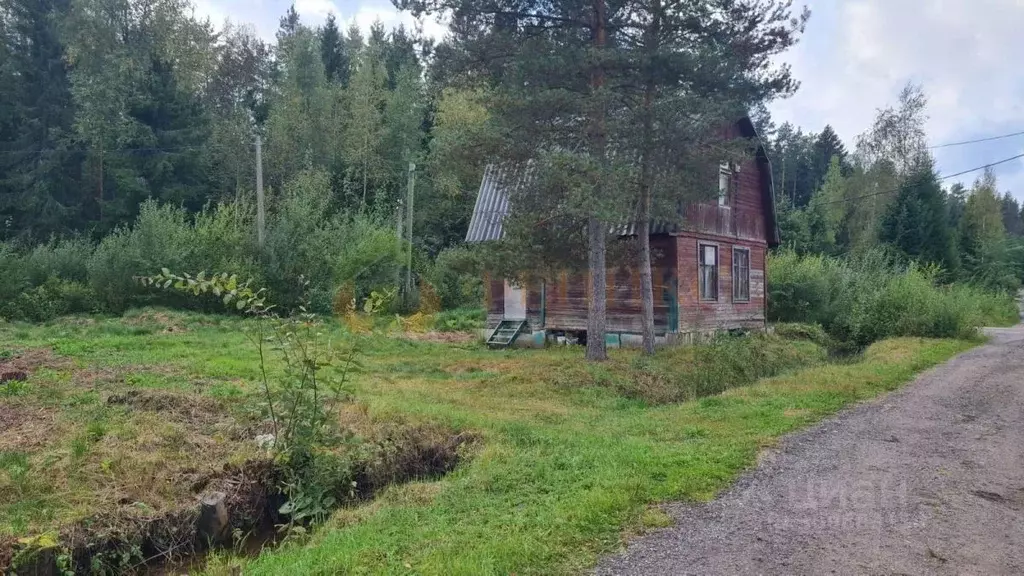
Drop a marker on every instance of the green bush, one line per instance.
(53, 298)
(310, 250)
(161, 237)
(457, 278)
(810, 332)
(66, 259)
(12, 270)
(859, 300)
(683, 373)
(306, 237)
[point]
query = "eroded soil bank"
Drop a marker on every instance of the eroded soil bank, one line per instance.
(117, 461)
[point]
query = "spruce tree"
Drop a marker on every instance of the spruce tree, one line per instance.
(827, 145)
(333, 52)
(1011, 216)
(916, 222)
(40, 192)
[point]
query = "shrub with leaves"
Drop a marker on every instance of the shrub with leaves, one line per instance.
(864, 298)
(297, 404)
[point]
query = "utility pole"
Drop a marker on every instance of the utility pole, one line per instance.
(399, 236)
(261, 216)
(409, 219)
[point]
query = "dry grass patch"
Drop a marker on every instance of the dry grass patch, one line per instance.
(26, 427)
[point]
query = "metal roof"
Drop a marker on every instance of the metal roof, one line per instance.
(492, 203)
(492, 206)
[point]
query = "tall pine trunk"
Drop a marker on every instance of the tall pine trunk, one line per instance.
(597, 311)
(646, 276)
(644, 216)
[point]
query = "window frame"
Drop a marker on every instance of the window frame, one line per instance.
(701, 266)
(737, 271)
(725, 175)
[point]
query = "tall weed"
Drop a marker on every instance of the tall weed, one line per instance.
(871, 296)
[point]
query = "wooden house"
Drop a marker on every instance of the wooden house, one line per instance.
(709, 274)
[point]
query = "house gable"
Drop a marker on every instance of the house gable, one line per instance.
(750, 215)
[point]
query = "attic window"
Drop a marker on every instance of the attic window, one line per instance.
(724, 183)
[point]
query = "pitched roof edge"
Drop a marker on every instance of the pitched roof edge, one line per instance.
(768, 184)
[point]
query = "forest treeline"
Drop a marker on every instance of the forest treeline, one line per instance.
(887, 192)
(128, 132)
(107, 103)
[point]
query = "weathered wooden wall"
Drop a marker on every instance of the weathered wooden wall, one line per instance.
(565, 298)
(724, 313)
(494, 295)
(745, 216)
(742, 223)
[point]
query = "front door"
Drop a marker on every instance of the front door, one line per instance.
(515, 302)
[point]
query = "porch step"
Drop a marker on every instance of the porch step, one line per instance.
(506, 333)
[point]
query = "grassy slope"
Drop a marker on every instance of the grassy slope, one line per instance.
(563, 467)
(563, 474)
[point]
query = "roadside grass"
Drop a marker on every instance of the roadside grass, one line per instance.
(571, 457)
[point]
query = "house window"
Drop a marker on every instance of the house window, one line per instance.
(741, 274)
(724, 184)
(708, 271)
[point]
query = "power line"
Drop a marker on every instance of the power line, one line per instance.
(940, 178)
(965, 142)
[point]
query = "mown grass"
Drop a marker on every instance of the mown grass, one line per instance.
(564, 474)
(570, 457)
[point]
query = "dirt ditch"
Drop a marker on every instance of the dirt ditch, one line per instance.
(240, 500)
(164, 452)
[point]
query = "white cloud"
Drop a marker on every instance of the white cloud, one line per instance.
(315, 10)
(210, 9)
(391, 18)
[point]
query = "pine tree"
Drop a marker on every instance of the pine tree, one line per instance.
(1011, 216)
(670, 153)
(39, 165)
(827, 145)
(574, 81)
(333, 52)
(916, 223)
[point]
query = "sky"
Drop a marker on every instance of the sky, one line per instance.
(854, 58)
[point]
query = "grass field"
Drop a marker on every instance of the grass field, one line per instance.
(135, 413)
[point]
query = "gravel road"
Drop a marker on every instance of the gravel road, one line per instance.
(927, 480)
